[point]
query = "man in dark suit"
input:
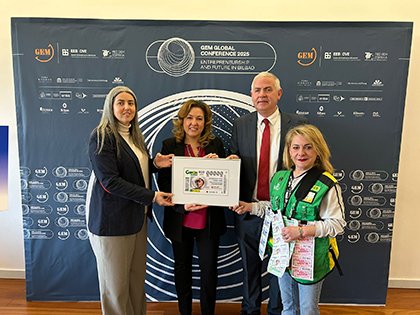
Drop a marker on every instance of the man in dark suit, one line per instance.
(248, 134)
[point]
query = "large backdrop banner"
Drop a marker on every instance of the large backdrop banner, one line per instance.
(349, 79)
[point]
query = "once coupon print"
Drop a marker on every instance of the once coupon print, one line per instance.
(206, 181)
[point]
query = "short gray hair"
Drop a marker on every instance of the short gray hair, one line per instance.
(267, 75)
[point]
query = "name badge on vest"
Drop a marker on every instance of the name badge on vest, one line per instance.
(265, 232)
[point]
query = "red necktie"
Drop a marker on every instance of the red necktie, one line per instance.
(263, 189)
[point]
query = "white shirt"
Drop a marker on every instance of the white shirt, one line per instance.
(124, 131)
(275, 127)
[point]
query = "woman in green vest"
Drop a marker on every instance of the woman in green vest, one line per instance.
(307, 199)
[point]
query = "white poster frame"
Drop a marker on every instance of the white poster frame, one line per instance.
(228, 173)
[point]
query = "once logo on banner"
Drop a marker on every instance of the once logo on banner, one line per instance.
(177, 57)
(44, 54)
(306, 58)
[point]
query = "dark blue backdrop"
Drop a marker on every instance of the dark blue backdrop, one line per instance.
(349, 79)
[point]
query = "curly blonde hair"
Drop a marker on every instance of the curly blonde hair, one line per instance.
(206, 135)
(314, 137)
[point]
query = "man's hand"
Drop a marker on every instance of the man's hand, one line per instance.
(233, 157)
(242, 207)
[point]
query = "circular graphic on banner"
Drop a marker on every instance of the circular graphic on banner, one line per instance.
(176, 57)
(354, 225)
(377, 188)
(155, 121)
(356, 200)
(374, 213)
(26, 234)
(81, 234)
(372, 237)
(25, 209)
(62, 197)
(61, 171)
(80, 209)
(63, 222)
(357, 175)
(23, 184)
(80, 184)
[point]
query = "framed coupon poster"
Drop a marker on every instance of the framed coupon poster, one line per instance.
(213, 182)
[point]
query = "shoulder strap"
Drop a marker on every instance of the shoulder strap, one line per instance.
(307, 183)
(327, 179)
(305, 186)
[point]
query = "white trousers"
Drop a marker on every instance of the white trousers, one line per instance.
(121, 263)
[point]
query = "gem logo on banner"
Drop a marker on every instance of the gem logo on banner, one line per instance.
(44, 54)
(307, 58)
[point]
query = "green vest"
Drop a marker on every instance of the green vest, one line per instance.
(307, 210)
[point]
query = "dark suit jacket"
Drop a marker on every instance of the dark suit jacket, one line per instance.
(172, 222)
(119, 195)
(244, 144)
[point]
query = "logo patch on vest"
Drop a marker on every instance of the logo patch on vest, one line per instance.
(315, 188)
(310, 197)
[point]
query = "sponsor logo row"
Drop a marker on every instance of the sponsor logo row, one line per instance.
(321, 113)
(47, 53)
(305, 57)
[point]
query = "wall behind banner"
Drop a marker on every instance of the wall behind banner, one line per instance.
(403, 272)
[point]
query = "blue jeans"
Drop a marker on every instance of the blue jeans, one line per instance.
(299, 298)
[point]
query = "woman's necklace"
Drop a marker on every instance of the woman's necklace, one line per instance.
(189, 152)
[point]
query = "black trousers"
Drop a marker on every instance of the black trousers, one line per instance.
(248, 233)
(207, 260)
